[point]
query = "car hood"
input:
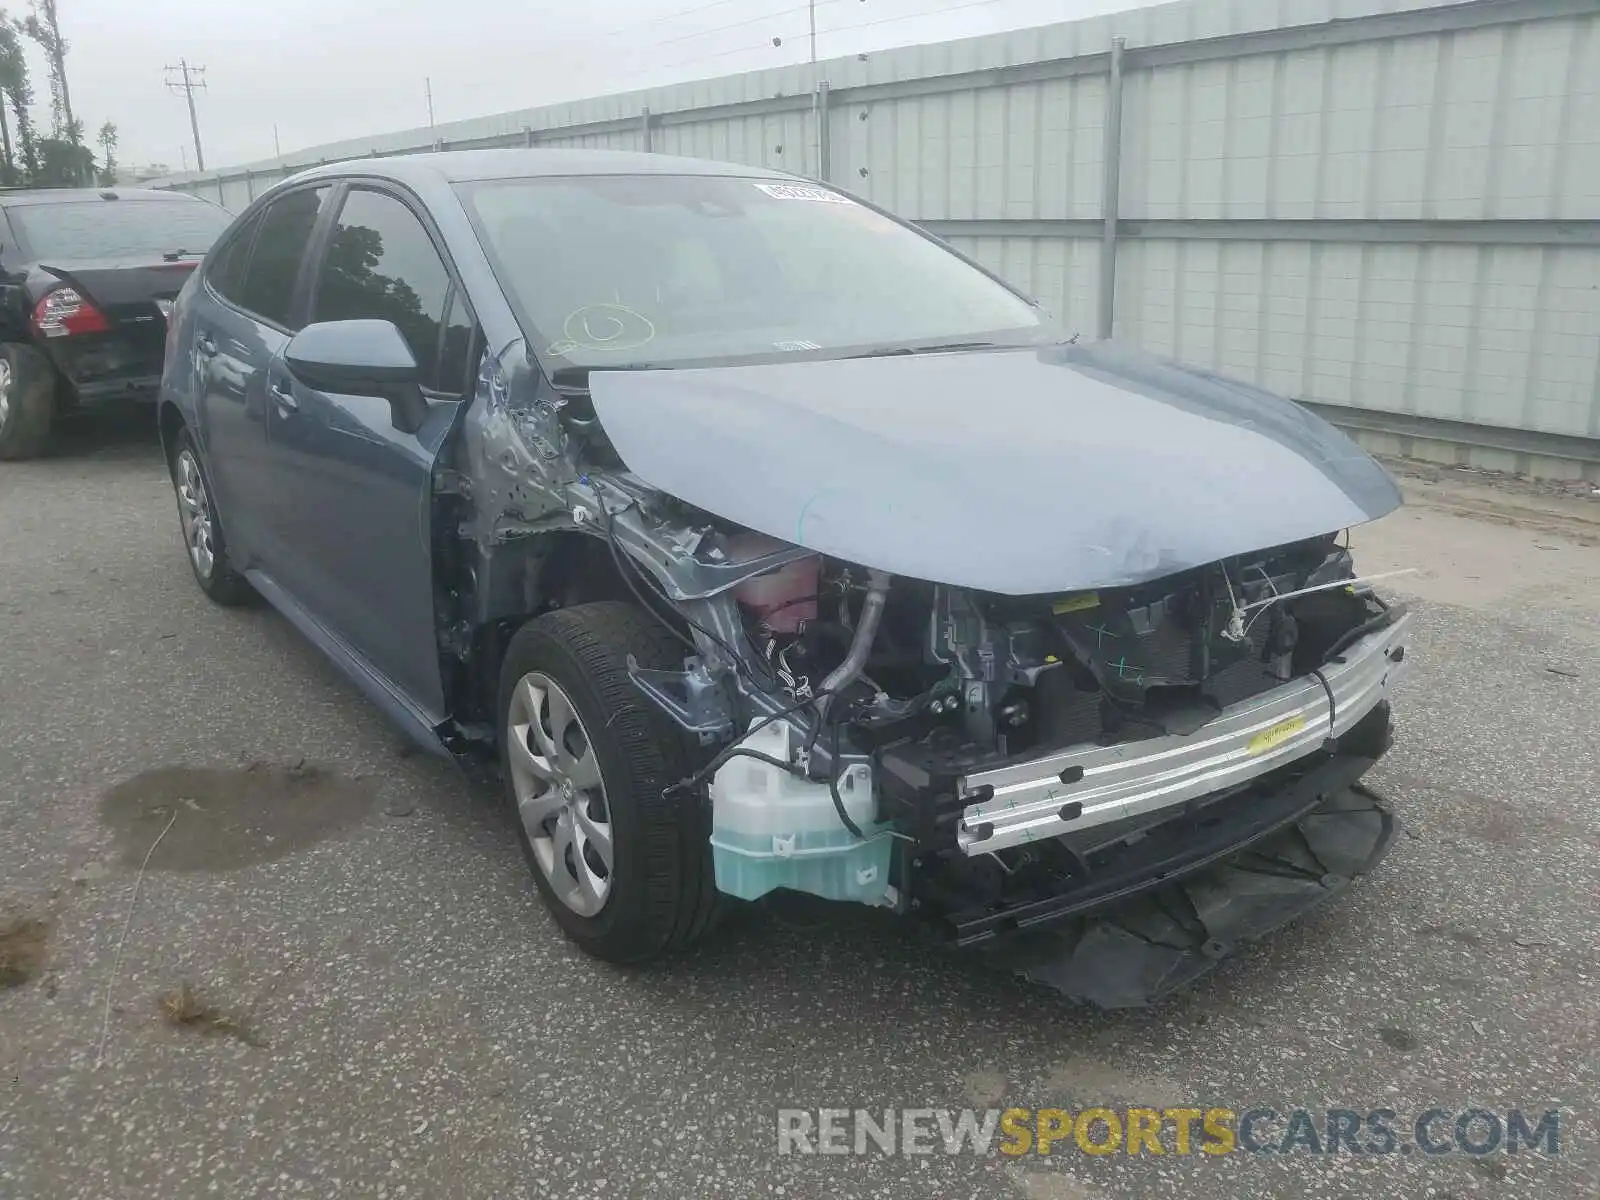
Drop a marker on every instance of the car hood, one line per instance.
(1018, 471)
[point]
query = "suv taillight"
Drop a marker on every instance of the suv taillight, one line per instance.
(64, 313)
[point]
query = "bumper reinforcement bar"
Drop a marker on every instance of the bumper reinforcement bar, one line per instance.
(1083, 786)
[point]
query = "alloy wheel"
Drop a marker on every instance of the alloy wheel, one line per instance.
(194, 511)
(561, 797)
(5, 392)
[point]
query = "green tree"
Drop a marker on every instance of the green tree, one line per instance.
(43, 27)
(62, 164)
(16, 92)
(107, 137)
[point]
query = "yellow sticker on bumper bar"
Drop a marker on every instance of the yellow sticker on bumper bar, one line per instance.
(1078, 603)
(1276, 735)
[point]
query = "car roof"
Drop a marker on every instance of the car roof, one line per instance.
(21, 197)
(465, 166)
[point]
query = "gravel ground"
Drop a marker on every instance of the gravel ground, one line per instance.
(378, 1006)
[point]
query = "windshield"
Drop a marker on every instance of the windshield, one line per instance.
(654, 270)
(85, 229)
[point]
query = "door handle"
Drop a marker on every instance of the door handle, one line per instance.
(283, 392)
(207, 345)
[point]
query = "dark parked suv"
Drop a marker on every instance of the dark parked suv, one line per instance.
(87, 278)
(772, 544)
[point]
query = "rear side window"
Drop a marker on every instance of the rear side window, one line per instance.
(83, 229)
(280, 245)
(382, 264)
(226, 272)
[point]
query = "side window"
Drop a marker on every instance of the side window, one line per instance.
(281, 242)
(382, 264)
(454, 347)
(226, 272)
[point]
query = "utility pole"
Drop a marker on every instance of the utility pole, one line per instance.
(811, 8)
(188, 79)
(427, 86)
(277, 149)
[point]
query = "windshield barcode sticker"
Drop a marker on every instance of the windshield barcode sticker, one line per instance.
(797, 191)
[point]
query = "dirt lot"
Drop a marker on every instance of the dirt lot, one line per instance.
(334, 976)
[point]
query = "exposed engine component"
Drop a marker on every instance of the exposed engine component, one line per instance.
(781, 600)
(984, 676)
(866, 630)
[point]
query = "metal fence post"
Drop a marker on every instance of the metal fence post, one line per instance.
(644, 129)
(1110, 193)
(819, 106)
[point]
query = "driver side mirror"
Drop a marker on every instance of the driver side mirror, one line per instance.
(361, 358)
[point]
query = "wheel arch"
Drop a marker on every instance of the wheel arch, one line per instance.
(513, 583)
(170, 422)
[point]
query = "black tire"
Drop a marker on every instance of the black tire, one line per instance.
(219, 581)
(662, 896)
(29, 384)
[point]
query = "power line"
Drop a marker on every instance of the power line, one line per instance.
(189, 79)
(776, 41)
(689, 62)
(662, 20)
(929, 12)
(782, 12)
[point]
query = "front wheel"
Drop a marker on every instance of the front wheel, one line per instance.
(624, 870)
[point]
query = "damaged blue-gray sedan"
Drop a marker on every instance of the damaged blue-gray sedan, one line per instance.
(772, 544)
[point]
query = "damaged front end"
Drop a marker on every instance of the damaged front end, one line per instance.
(1106, 790)
(1020, 771)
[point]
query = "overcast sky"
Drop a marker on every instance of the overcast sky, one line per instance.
(329, 69)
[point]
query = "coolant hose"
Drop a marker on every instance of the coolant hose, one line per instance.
(855, 662)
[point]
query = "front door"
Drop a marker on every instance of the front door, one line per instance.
(357, 493)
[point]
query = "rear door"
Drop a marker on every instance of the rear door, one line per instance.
(356, 494)
(255, 285)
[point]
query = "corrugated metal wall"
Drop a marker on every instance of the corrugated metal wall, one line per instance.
(1390, 210)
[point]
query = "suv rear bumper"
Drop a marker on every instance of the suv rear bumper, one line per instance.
(1086, 786)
